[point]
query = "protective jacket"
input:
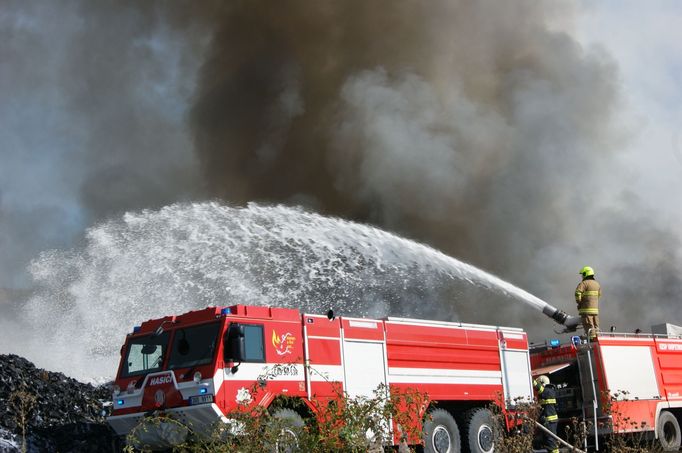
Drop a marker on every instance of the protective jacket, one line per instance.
(547, 400)
(587, 296)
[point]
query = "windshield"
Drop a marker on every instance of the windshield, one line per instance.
(145, 354)
(194, 346)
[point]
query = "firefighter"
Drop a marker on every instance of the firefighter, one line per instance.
(587, 296)
(548, 416)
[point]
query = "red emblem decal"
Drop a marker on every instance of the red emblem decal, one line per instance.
(283, 343)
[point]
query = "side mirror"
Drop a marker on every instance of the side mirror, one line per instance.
(235, 347)
(330, 315)
(148, 349)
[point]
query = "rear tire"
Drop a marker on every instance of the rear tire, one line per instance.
(441, 434)
(291, 424)
(479, 431)
(668, 431)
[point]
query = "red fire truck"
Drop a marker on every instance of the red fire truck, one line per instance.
(201, 365)
(619, 383)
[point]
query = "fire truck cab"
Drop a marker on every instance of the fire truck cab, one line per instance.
(200, 366)
(618, 383)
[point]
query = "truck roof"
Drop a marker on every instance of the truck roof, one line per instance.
(210, 313)
(284, 314)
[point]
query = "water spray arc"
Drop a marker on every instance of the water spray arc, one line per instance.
(189, 256)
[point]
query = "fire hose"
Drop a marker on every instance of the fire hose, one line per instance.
(563, 442)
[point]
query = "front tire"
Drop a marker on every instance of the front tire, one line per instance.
(290, 424)
(479, 432)
(441, 434)
(668, 431)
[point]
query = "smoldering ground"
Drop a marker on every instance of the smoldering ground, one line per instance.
(481, 128)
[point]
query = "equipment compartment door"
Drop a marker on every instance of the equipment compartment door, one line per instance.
(630, 372)
(516, 377)
(364, 367)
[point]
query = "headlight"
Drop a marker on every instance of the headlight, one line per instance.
(197, 377)
(116, 389)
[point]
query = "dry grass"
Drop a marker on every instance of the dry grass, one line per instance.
(636, 442)
(22, 402)
(347, 425)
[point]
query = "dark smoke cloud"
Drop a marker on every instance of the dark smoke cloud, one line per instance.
(472, 126)
(475, 127)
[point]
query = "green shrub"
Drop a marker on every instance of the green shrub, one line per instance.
(341, 424)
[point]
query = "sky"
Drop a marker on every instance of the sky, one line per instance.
(527, 138)
(644, 40)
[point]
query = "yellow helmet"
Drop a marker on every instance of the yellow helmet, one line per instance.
(540, 381)
(586, 271)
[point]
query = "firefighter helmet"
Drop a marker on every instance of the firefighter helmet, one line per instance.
(540, 382)
(586, 271)
(544, 380)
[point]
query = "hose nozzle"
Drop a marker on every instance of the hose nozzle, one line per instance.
(560, 317)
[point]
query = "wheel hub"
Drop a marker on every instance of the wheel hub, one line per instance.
(287, 441)
(669, 432)
(486, 441)
(441, 439)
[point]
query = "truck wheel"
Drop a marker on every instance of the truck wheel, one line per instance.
(668, 431)
(441, 434)
(291, 424)
(479, 432)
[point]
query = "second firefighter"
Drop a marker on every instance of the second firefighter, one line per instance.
(548, 415)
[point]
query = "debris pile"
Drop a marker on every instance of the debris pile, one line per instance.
(7, 441)
(55, 412)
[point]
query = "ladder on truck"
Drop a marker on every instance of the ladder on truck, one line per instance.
(589, 386)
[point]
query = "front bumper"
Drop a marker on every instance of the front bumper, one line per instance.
(153, 432)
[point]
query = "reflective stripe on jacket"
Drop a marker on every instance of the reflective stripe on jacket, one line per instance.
(587, 296)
